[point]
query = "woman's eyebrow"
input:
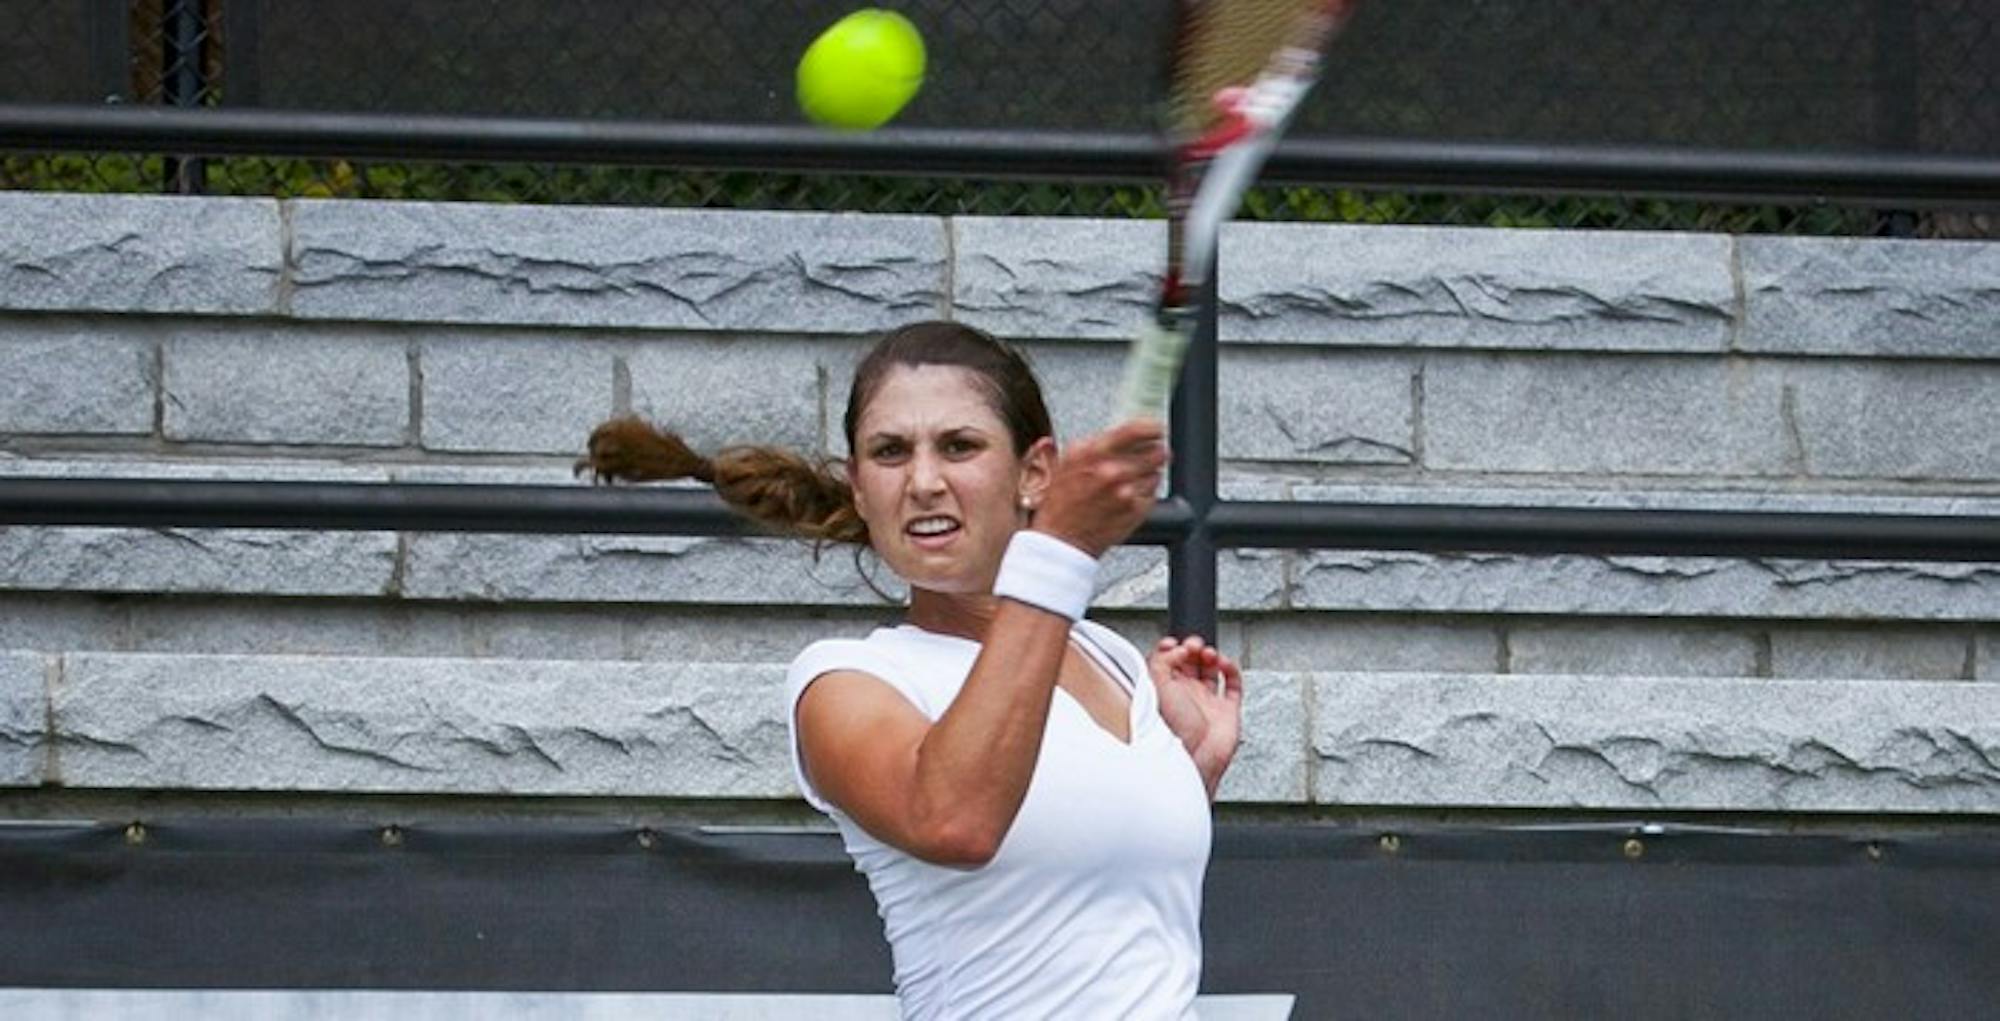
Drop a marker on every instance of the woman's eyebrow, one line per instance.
(947, 432)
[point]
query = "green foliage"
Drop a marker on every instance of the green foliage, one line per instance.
(79, 173)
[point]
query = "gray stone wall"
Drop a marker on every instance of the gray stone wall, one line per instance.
(240, 338)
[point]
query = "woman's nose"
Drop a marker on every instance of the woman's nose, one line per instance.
(926, 476)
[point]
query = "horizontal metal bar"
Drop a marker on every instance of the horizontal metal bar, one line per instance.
(1887, 179)
(1605, 531)
(422, 507)
(1739, 175)
(227, 132)
(413, 507)
(351, 506)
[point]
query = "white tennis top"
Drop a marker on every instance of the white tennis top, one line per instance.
(1092, 907)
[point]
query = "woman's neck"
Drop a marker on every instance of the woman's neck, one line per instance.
(966, 616)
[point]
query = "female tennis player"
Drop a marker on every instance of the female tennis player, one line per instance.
(1026, 793)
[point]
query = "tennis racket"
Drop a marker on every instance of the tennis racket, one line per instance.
(1238, 71)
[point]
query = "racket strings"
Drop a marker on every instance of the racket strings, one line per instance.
(1227, 43)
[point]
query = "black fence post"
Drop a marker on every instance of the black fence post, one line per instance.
(181, 84)
(110, 50)
(1192, 478)
(1898, 109)
(241, 69)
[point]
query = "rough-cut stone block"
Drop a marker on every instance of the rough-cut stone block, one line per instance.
(1766, 499)
(645, 569)
(231, 561)
(1270, 764)
(24, 718)
(545, 474)
(1057, 278)
(1079, 382)
(521, 393)
(1899, 420)
(298, 627)
(716, 391)
(1323, 408)
(421, 726)
(139, 253)
(73, 377)
(1249, 579)
(60, 622)
(569, 266)
(714, 634)
(1145, 627)
(1475, 287)
(1871, 296)
(1328, 642)
(268, 385)
(1656, 743)
(323, 627)
(1872, 653)
(125, 466)
(1629, 648)
(551, 632)
(838, 359)
(1135, 578)
(1643, 586)
(1619, 415)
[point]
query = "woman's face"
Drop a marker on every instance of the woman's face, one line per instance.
(936, 478)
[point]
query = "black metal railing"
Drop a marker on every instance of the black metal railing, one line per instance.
(1888, 78)
(1194, 522)
(1856, 178)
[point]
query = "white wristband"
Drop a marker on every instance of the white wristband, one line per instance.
(1046, 572)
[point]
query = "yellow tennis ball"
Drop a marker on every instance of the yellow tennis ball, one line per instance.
(862, 70)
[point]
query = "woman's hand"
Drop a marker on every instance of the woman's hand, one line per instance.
(1201, 698)
(1103, 486)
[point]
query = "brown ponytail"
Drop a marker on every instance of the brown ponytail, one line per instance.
(770, 485)
(811, 498)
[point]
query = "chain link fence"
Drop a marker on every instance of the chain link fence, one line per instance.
(1901, 76)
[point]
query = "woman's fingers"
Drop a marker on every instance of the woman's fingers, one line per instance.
(1194, 656)
(1104, 485)
(1232, 680)
(1136, 433)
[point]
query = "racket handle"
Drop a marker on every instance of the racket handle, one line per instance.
(1151, 368)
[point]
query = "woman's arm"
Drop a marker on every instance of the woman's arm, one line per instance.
(944, 792)
(948, 792)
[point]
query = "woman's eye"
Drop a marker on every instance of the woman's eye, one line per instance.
(887, 452)
(960, 447)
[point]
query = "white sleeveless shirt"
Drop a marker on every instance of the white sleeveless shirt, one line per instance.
(1092, 906)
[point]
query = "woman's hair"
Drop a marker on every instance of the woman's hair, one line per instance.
(810, 497)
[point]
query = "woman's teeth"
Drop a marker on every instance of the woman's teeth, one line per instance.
(932, 526)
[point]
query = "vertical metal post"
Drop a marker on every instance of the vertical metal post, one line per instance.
(182, 84)
(241, 68)
(1897, 107)
(1193, 476)
(110, 50)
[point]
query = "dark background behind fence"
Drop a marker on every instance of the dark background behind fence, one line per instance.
(1466, 921)
(1896, 76)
